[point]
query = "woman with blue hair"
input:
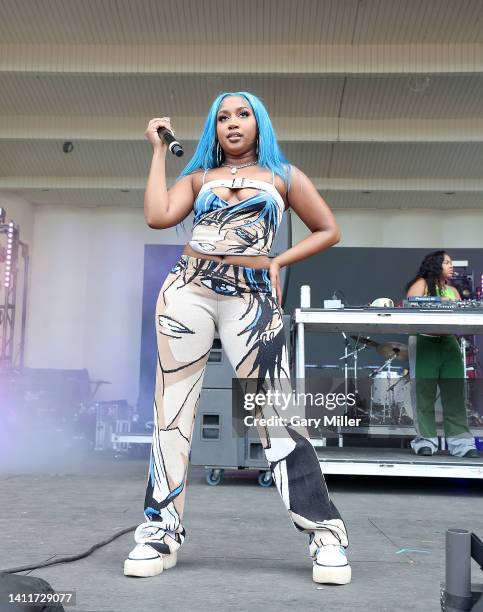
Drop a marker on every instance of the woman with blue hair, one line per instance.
(238, 185)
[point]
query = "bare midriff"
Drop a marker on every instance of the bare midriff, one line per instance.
(248, 261)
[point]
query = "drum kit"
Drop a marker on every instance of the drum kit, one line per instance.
(390, 402)
(390, 397)
(384, 396)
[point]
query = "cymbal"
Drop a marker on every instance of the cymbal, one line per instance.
(367, 341)
(389, 349)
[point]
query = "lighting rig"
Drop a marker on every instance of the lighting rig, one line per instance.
(11, 247)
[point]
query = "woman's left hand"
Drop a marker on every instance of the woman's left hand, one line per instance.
(274, 273)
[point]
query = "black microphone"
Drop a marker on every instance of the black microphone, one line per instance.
(170, 140)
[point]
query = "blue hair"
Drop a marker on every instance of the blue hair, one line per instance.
(269, 153)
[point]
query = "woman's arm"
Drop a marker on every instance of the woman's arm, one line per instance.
(457, 295)
(164, 208)
(305, 200)
(418, 289)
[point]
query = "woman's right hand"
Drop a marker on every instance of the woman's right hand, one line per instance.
(151, 132)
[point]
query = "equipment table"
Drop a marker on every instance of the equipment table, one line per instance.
(370, 320)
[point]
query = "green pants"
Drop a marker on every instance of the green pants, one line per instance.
(438, 362)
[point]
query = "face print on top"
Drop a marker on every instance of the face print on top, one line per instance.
(247, 227)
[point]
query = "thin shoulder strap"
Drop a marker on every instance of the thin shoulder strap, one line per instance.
(204, 175)
(273, 177)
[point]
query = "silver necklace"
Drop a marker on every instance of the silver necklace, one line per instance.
(233, 169)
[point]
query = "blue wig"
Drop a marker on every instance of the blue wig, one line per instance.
(269, 154)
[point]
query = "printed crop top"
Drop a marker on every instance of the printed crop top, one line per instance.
(246, 227)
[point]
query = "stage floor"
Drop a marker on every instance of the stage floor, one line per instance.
(241, 552)
(375, 460)
(396, 462)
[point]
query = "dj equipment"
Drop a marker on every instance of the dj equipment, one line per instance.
(437, 303)
(422, 298)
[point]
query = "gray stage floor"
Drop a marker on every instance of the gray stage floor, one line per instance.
(241, 553)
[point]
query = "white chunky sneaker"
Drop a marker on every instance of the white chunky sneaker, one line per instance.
(151, 554)
(145, 561)
(331, 565)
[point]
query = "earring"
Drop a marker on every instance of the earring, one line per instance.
(256, 148)
(218, 154)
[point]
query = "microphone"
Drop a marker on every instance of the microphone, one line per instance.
(170, 140)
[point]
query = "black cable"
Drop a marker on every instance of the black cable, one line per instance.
(69, 559)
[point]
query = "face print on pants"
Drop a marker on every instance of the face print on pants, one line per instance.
(198, 297)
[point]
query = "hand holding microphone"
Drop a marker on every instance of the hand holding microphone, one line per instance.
(159, 131)
(170, 140)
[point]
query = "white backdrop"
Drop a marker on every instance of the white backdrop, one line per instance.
(87, 272)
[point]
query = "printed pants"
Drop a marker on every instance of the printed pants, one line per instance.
(197, 297)
(437, 361)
